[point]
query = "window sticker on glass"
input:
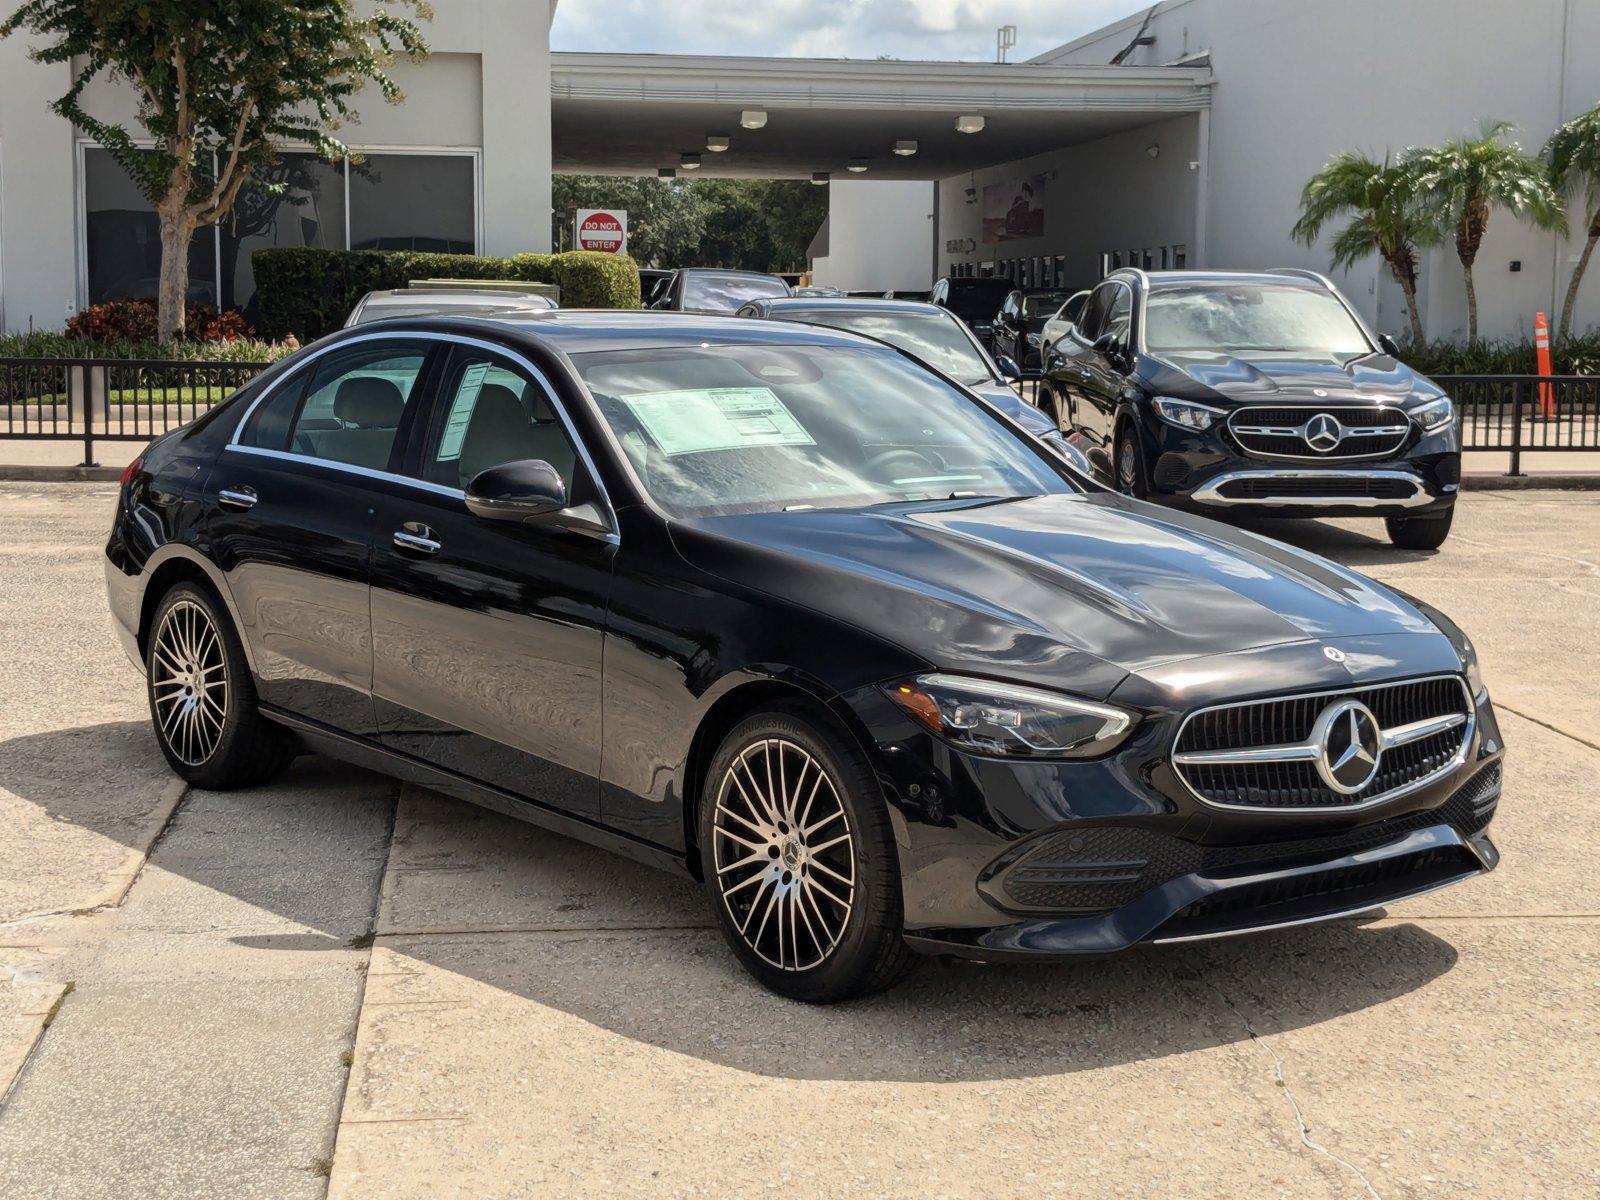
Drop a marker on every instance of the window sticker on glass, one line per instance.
(701, 419)
(455, 425)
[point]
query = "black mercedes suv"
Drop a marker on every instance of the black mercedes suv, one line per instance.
(1258, 391)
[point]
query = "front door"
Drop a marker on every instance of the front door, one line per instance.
(487, 635)
(291, 508)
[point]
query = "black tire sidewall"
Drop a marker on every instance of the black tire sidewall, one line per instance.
(1421, 533)
(1138, 487)
(876, 913)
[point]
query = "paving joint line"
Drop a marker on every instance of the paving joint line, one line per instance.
(1546, 724)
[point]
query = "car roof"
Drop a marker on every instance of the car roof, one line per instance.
(730, 271)
(452, 297)
(1292, 278)
(582, 331)
(782, 304)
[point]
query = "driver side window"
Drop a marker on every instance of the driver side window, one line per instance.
(488, 414)
(1094, 312)
(1119, 321)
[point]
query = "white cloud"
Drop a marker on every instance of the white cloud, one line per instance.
(936, 29)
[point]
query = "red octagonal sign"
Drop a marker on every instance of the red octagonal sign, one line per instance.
(603, 231)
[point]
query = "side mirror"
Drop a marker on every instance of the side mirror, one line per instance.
(1388, 345)
(1008, 367)
(516, 491)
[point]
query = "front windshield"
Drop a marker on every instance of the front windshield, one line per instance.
(977, 299)
(752, 428)
(1040, 307)
(725, 293)
(934, 337)
(1204, 317)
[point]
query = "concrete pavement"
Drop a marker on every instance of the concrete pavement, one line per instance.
(540, 1019)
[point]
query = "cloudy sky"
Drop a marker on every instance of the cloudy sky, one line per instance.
(943, 29)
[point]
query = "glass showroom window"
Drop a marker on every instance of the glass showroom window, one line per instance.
(308, 211)
(413, 202)
(123, 242)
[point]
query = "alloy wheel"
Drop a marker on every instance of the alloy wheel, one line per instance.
(1127, 465)
(189, 682)
(784, 854)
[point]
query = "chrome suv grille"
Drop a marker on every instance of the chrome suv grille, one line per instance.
(1295, 753)
(1331, 434)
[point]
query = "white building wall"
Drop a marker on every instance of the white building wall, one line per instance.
(880, 235)
(1300, 80)
(1100, 196)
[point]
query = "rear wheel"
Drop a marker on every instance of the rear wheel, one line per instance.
(1420, 533)
(799, 859)
(1132, 478)
(202, 699)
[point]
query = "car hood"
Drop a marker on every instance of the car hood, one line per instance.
(1298, 377)
(1015, 407)
(1070, 591)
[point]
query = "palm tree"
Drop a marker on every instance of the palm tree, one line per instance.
(1383, 220)
(1464, 180)
(1573, 157)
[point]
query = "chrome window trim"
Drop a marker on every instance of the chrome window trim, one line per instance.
(452, 339)
(1209, 492)
(1455, 763)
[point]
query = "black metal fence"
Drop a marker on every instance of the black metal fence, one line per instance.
(90, 400)
(133, 400)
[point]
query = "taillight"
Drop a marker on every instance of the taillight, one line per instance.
(129, 471)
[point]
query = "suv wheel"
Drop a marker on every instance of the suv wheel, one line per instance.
(202, 699)
(1420, 533)
(799, 859)
(1132, 477)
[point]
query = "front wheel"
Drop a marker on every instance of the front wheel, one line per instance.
(202, 699)
(1420, 533)
(799, 859)
(1132, 479)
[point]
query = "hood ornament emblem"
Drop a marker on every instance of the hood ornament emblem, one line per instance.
(1333, 654)
(1320, 393)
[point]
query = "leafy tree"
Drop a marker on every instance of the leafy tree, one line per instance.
(1380, 202)
(1464, 180)
(1573, 156)
(234, 78)
(666, 218)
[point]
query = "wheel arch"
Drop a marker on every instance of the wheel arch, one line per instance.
(178, 565)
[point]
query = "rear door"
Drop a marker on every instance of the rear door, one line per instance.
(1101, 376)
(487, 635)
(291, 507)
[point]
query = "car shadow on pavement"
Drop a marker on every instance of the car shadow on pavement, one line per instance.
(630, 950)
(1350, 547)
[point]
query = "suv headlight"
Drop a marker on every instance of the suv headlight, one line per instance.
(1000, 719)
(1434, 415)
(1186, 414)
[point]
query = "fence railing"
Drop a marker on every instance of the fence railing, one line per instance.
(116, 400)
(134, 400)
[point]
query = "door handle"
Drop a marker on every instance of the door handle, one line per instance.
(1085, 373)
(240, 498)
(417, 538)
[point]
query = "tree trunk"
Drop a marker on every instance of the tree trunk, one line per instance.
(1472, 307)
(1410, 290)
(1403, 266)
(1571, 302)
(177, 227)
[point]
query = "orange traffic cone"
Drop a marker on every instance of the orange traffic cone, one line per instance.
(1541, 345)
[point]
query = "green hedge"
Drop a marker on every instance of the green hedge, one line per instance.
(310, 292)
(1509, 356)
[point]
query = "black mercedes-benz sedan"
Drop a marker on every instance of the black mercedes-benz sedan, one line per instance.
(781, 608)
(1254, 392)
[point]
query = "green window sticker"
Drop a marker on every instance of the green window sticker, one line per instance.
(696, 420)
(455, 426)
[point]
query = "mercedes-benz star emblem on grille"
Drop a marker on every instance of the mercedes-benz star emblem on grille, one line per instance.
(1323, 432)
(1351, 745)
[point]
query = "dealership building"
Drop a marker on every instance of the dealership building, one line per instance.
(1179, 137)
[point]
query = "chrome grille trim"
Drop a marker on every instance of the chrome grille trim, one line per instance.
(1211, 492)
(1304, 752)
(1355, 436)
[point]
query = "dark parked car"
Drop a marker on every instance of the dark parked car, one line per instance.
(780, 608)
(975, 300)
(712, 290)
(1019, 325)
(932, 335)
(1261, 392)
(652, 282)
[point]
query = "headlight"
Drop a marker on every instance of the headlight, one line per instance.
(1185, 413)
(1469, 664)
(1012, 722)
(1434, 415)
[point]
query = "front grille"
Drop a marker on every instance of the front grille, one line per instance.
(1079, 871)
(1276, 487)
(1363, 432)
(1289, 783)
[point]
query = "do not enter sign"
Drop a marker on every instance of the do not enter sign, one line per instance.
(603, 229)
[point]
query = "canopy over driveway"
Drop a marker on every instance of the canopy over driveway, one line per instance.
(630, 114)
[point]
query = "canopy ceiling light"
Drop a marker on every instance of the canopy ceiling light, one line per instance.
(690, 162)
(905, 149)
(969, 123)
(716, 142)
(857, 165)
(753, 118)
(819, 177)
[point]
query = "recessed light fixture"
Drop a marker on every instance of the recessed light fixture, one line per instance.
(819, 177)
(906, 148)
(753, 118)
(857, 165)
(690, 162)
(716, 142)
(1153, 150)
(666, 172)
(969, 123)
